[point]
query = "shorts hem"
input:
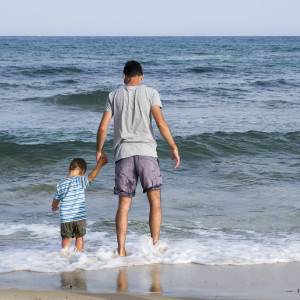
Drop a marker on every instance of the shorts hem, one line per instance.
(64, 237)
(72, 237)
(154, 188)
(122, 193)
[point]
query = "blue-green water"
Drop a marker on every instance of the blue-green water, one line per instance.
(233, 106)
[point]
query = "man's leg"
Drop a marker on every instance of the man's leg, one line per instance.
(155, 214)
(122, 222)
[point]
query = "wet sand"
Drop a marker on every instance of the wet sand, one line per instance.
(186, 281)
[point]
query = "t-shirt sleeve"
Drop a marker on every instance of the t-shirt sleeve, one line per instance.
(59, 193)
(155, 99)
(84, 180)
(109, 105)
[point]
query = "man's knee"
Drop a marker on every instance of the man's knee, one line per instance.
(154, 195)
(154, 199)
(124, 203)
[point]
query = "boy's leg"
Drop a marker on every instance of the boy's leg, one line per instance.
(66, 243)
(122, 222)
(155, 214)
(79, 230)
(79, 243)
(66, 234)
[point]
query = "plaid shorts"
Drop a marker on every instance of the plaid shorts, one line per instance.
(129, 169)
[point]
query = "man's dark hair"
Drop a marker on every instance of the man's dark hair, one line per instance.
(132, 68)
(78, 163)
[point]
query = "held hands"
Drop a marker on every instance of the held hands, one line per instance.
(102, 155)
(102, 162)
(175, 154)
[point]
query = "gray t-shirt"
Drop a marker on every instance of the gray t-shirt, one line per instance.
(133, 132)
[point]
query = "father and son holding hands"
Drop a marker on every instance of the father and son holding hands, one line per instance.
(132, 106)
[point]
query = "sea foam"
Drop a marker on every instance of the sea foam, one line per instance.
(40, 249)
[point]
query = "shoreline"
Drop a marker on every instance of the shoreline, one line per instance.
(186, 281)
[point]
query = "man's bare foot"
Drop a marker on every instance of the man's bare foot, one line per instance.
(160, 247)
(116, 253)
(122, 252)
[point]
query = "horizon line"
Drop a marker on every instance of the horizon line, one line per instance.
(149, 35)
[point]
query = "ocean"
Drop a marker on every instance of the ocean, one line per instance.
(233, 106)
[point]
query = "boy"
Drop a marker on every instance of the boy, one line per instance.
(70, 191)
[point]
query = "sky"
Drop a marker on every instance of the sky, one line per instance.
(149, 17)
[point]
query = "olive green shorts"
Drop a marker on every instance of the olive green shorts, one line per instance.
(71, 229)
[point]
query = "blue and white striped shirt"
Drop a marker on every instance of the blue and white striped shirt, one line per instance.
(70, 192)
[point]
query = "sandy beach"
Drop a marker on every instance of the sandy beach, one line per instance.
(190, 281)
(55, 295)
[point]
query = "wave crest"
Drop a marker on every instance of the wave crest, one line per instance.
(82, 99)
(195, 147)
(45, 70)
(249, 143)
(273, 83)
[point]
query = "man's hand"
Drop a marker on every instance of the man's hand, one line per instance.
(101, 154)
(175, 154)
(165, 132)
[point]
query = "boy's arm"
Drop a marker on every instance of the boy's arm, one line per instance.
(95, 172)
(55, 205)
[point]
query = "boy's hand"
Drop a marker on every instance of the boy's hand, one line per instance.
(102, 162)
(55, 205)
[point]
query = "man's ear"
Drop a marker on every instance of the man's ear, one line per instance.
(126, 79)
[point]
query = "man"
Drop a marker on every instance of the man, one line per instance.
(133, 106)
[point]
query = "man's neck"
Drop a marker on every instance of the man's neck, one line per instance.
(133, 81)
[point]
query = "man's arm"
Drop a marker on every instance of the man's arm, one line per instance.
(55, 205)
(165, 132)
(95, 172)
(101, 135)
